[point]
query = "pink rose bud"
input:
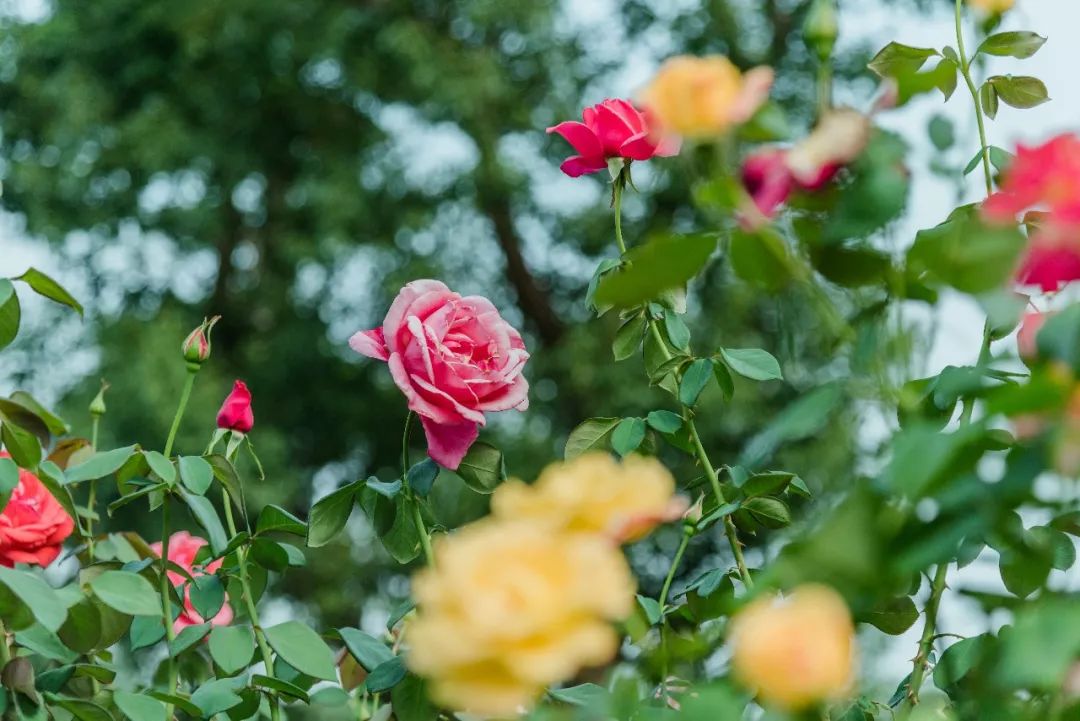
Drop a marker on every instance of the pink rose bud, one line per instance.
(33, 525)
(1028, 333)
(196, 347)
(612, 129)
(236, 413)
(454, 359)
(183, 547)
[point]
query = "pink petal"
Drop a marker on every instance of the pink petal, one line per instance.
(370, 343)
(638, 147)
(416, 401)
(625, 110)
(428, 290)
(754, 93)
(669, 146)
(612, 130)
(580, 136)
(515, 395)
(578, 165)
(448, 444)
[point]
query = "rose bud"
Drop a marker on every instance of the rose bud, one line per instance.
(196, 347)
(97, 406)
(236, 414)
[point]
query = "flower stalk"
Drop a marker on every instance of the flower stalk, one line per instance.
(418, 516)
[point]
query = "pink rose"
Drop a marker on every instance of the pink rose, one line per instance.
(33, 525)
(183, 548)
(454, 358)
(236, 413)
(612, 129)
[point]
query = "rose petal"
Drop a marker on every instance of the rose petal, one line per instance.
(448, 443)
(580, 136)
(578, 165)
(370, 343)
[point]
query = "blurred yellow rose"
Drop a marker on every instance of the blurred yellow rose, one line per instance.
(510, 608)
(594, 493)
(992, 7)
(701, 98)
(796, 651)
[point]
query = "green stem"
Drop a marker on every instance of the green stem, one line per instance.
(185, 395)
(824, 87)
(260, 636)
(418, 517)
(965, 70)
(688, 533)
(166, 604)
(926, 643)
(91, 500)
(617, 191)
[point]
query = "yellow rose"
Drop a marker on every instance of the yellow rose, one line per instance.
(702, 98)
(796, 651)
(594, 493)
(992, 7)
(510, 608)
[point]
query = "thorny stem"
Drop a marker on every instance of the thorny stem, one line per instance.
(926, 643)
(703, 457)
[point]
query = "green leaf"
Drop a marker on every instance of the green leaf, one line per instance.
(482, 468)
(196, 474)
(45, 643)
(593, 434)
(677, 332)
(695, 378)
(389, 489)
(958, 660)
(100, 465)
(761, 258)
(283, 687)
(368, 651)
(329, 516)
(80, 708)
(216, 696)
(989, 100)
(269, 554)
(587, 695)
(627, 338)
(768, 512)
(664, 421)
(275, 518)
(139, 707)
(767, 483)
(1018, 44)
(649, 270)
(942, 133)
(231, 647)
(47, 607)
(207, 594)
(421, 477)
(967, 254)
(1019, 91)
(410, 701)
(628, 435)
(9, 480)
(45, 286)
(303, 649)
(10, 313)
(54, 423)
(895, 59)
(21, 444)
(203, 511)
(605, 266)
(651, 607)
(127, 592)
(753, 363)
(386, 675)
(146, 631)
(82, 631)
(893, 616)
(188, 637)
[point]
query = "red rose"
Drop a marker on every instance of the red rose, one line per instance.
(612, 129)
(235, 413)
(33, 525)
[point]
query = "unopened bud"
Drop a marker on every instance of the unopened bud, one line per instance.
(196, 347)
(695, 512)
(97, 406)
(821, 28)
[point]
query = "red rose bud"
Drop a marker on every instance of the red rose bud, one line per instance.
(196, 347)
(235, 413)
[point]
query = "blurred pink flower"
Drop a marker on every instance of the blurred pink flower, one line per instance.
(454, 359)
(612, 129)
(1046, 176)
(1052, 258)
(1029, 331)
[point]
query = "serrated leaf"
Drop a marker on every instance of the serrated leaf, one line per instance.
(330, 514)
(1020, 91)
(482, 468)
(303, 649)
(628, 435)
(1018, 44)
(627, 338)
(196, 474)
(753, 363)
(127, 592)
(46, 287)
(664, 421)
(694, 379)
(593, 434)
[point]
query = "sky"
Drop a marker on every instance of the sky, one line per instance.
(956, 326)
